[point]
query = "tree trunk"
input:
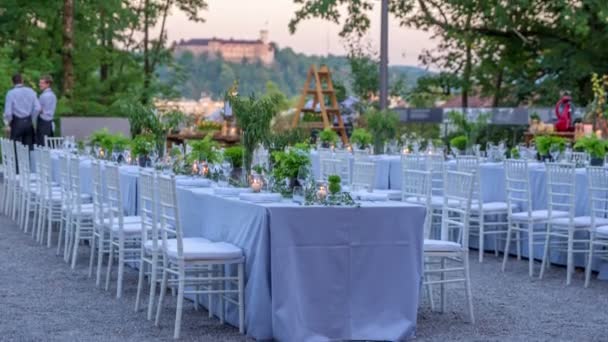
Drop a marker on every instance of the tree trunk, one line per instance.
(147, 71)
(466, 77)
(104, 67)
(497, 86)
(68, 47)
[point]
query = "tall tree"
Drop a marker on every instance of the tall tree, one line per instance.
(68, 47)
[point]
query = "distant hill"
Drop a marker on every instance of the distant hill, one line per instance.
(200, 74)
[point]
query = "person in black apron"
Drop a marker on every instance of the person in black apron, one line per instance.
(48, 103)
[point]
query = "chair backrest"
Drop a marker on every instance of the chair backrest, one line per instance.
(416, 184)
(344, 169)
(98, 195)
(578, 158)
(413, 161)
(436, 165)
(23, 161)
(169, 213)
(517, 185)
(11, 170)
(561, 179)
(44, 167)
(64, 174)
(113, 199)
(74, 180)
(53, 143)
(362, 154)
(148, 206)
(597, 181)
(329, 167)
(364, 176)
(470, 164)
(458, 191)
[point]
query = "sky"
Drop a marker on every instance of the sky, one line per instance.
(244, 19)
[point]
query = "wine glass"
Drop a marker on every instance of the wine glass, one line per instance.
(304, 176)
(555, 153)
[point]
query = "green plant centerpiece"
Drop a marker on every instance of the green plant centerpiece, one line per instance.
(142, 147)
(459, 143)
(254, 115)
(515, 153)
(545, 143)
(361, 138)
(108, 142)
(144, 119)
(287, 164)
(333, 184)
(383, 125)
(595, 147)
(328, 137)
(173, 120)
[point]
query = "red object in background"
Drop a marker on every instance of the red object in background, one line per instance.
(564, 114)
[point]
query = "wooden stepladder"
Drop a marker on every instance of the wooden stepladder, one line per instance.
(319, 85)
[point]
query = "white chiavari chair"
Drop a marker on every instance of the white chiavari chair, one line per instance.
(54, 143)
(362, 154)
(2, 173)
(29, 188)
(51, 201)
(522, 218)
(65, 187)
(364, 176)
(124, 231)
(194, 261)
(10, 176)
(570, 231)
(344, 168)
(329, 167)
(597, 182)
(481, 211)
(452, 248)
(578, 158)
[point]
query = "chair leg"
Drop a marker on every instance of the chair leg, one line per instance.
(180, 306)
(443, 286)
(481, 237)
(121, 269)
(110, 261)
(518, 243)
(589, 262)
(50, 229)
(530, 250)
(546, 252)
(507, 246)
(100, 243)
(570, 264)
(467, 285)
(140, 282)
(93, 247)
(76, 243)
(221, 296)
(161, 297)
(153, 278)
(241, 276)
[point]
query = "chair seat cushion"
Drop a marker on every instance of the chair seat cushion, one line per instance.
(125, 220)
(441, 246)
(195, 249)
(436, 201)
(393, 195)
(579, 221)
(538, 215)
(128, 228)
(149, 245)
(490, 206)
(602, 231)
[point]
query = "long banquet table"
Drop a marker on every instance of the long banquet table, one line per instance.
(312, 273)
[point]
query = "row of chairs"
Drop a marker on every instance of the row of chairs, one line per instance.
(152, 240)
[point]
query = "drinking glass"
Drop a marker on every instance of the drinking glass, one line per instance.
(298, 195)
(304, 177)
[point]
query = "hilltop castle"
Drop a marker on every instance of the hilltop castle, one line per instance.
(231, 50)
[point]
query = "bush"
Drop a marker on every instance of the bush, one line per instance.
(328, 136)
(361, 137)
(460, 142)
(234, 154)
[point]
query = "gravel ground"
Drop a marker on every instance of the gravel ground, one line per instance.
(42, 299)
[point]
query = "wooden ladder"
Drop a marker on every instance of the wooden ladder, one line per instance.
(314, 86)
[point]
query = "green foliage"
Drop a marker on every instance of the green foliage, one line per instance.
(515, 153)
(254, 116)
(383, 125)
(234, 154)
(173, 120)
(108, 141)
(142, 145)
(204, 149)
(544, 143)
(459, 142)
(334, 186)
(473, 130)
(278, 141)
(534, 116)
(288, 163)
(592, 145)
(361, 137)
(328, 136)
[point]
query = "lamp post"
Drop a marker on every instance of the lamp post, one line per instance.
(384, 55)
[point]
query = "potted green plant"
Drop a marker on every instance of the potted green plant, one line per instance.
(595, 147)
(141, 147)
(254, 116)
(361, 138)
(204, 150)
(515, 153)
(459, 143)
(334, 186)
(173, 121)
(383, 125)
(545, 143)
(328, 137)
(287, 164)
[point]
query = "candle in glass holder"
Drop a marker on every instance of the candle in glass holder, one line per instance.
(256, 184)
(102, 153)
(406, 150)
(232, 131)
(204, 169)
(349, 148)
(195, 167)
(322, 192)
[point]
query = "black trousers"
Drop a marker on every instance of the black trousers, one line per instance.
(22, 131)
(44, 129)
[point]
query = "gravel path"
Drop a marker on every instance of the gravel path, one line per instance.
(42, 299)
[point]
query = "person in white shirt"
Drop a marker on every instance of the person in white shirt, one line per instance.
(48, 103)
(19, 108)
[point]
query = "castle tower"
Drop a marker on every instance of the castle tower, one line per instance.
(264, 36)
